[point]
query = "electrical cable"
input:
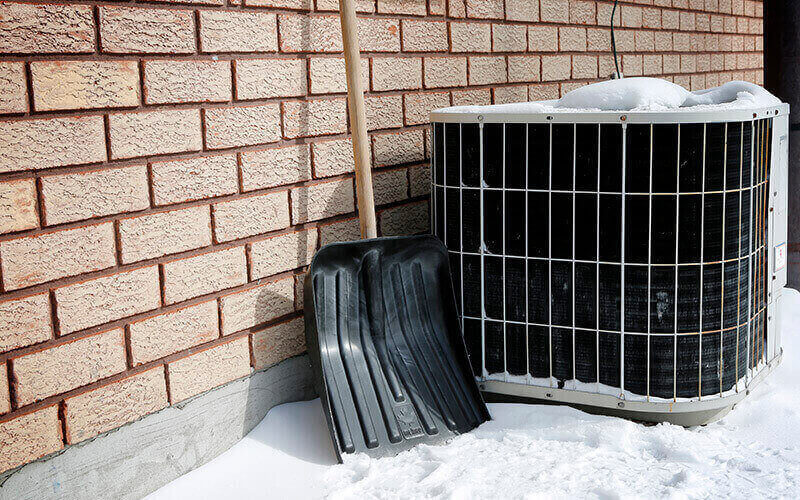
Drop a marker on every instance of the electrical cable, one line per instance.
(613, 41)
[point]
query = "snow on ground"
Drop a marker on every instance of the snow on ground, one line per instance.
(532, 451)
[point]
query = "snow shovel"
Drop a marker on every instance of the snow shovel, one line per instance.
(382, 327)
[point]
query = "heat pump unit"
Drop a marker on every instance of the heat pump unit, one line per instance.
(627, 263)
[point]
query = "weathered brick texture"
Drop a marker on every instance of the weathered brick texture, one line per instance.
(169, 168)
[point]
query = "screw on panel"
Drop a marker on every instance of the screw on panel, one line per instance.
(549, 117)
(621, 404)
(623, 118)
(480, 118)
(549, 395)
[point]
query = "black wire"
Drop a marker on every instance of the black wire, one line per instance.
(613, 42)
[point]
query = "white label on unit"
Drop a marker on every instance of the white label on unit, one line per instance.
(780, 257)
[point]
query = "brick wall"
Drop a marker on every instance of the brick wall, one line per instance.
(168, 168)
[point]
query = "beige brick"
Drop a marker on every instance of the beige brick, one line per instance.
(395, 148)
(572, 39)
(410, 7)
(470, 37)
(555, 68)
(424, 36)
(84, 195)
(163, 233)
(265, 78)
(390, 186)
(310, 33)
(522, 10)
(46, 28)
(205, 273)
(672, 63)
(584, 66)
(51, 142)
(193, 179)
(146, 30)
(256, 305)
(631, 16)
(276, 343)
(115, 404)
(396, 73)
(412, 218)
(504, 95)
(29, 437)
(186, 81)
(45, 257)
(209, 368)
(485, 9)
(314, 117)
(333, 5)
(327, 75)
(226, 31)
(145, 133)
(582, 12)
(686, 22)
(322, 200)
(61, 85)
(509, 38)
(385, 111)
(447, 71)
(251, 215)
(379, 34)
(476, 97)
(242, 125)
(333, 157)
(168, 333)
(523, 68)
(282, 253)
(18, 206)
(105, 299)
(24, 321)
(632, 64)
(281, 4)
(487, 69)
(645, 41)
(67, 366)
(652, 64)
(275, 166)
(651, 18)
(663, 42)
(344, 230)
(13, 92)
(419, 180)
(5, 396)
(543, 38)
(599, 39)
(418, 106)
(554, 11)
(299, 299)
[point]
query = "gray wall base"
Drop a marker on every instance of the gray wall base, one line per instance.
(140, 457)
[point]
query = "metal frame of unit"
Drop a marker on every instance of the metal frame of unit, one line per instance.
(595, 397)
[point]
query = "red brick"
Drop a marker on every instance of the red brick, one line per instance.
(419, 105)
(251, 215)
(385, 111)
(193, 179)
(487, 69)
(327, 75)
(572, 39)
(49, 256)
(46, 28)
(395, 148)
(390, 186)
(396, 73)
(509, 38)
(206, 273)
(18, 206)
(470, 37)
(275, 166)
(13, 91)
(242, 125)
(522, 10)
(24, 321)
(322, 200)
(108, 298)
(147, 133)
(276, 343)
(146, 30)
(186, 81)
(163, 233)
(265, 78)
(256, 305)
(115, 404)
(69, 365)
(410, 7)
(30, 436)
(485, 9)
(543, 38)
(84, 195)
(230, 31)
(168, 333)
(314, 117)
(51, 142)
(207, 369)
(411, 218)
(446, 71)
(284, 252)
(554, 11)
(504, 95)
(424, 36)
(523, 68)
(333, 157)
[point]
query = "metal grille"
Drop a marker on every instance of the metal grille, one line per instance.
(626, 259)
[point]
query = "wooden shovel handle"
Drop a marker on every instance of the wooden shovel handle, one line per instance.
(358, 119)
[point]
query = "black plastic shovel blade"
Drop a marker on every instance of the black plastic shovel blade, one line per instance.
(384, 340)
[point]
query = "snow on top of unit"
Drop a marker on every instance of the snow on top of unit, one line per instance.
(638, 94)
